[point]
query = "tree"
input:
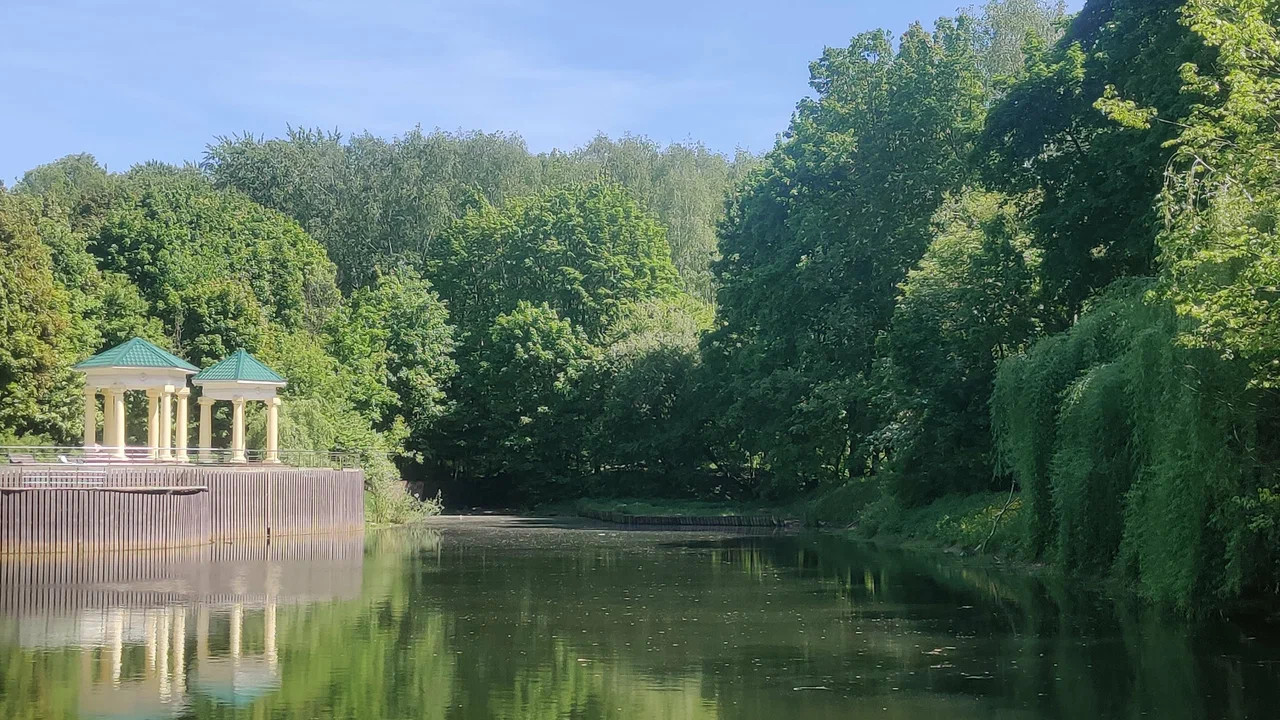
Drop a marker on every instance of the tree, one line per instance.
(213, 265)
(1094, 179)
(560, 275)
(967, 304)
(517, 428)
(646, 430)
(817, 239)
(36, 386)
(1221, 247)
(381, 204)
(1005, 26)
(395, 343)
(683, 185)
(374, 204)
(584, 251)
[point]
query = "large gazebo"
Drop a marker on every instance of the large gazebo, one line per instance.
(139, 365)
(136, 365)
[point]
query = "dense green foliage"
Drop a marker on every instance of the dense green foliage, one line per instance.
(1085, 246)
(378, 203)
(34, 319)
(1015, 253)
(1143, 436)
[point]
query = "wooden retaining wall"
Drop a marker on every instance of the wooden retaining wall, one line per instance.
(55, 508)
(622, 518)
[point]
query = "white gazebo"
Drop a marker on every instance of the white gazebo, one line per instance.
(137, 365)
(238, 378)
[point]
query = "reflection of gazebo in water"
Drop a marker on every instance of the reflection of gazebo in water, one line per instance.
(134, 617)
(237, 679)
(161, 689)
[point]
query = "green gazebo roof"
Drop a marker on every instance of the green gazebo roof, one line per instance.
(239, 366)
(136, 353)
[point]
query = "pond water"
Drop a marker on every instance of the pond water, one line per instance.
(515, 618)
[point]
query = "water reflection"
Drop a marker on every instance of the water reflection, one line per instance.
(121, 624)
(485, 618)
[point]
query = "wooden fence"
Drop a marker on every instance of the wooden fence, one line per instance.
(54, 508)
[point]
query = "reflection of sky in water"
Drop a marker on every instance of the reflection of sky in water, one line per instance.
(499, 618)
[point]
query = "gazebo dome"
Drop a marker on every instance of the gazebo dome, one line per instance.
(136, 354)
(239, 367)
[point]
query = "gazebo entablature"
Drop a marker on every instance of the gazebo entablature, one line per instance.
(232, 391)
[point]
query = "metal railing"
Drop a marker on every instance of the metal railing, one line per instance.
(71, 457)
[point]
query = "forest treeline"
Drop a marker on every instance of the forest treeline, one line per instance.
(435, 297)
(1018, 257)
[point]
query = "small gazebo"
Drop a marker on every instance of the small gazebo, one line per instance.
(137, 365)
(238, 378)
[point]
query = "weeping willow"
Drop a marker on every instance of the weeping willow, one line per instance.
(1142, 457)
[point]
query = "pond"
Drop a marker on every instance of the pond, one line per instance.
(527, 618)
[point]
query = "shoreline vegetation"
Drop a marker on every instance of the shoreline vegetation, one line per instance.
(964, 525)
(1011, 269)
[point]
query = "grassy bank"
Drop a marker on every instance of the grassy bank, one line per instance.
(675, 508)
(956, 522)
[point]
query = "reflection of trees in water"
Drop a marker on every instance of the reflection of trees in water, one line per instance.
(951, 637)
(399, 544)
(437, 626)
(1035, 643)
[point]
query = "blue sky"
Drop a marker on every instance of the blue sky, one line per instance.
(135, 81)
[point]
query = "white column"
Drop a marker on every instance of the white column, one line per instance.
(117, 422)
(237, 430)
(115, 631)
(90, 416)
(180, 651)
(237, 629)
(273, 430)
(153, 423)
(108, 417)
(180, 440)
(206, 426)
(269, 631)
(166, 423)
